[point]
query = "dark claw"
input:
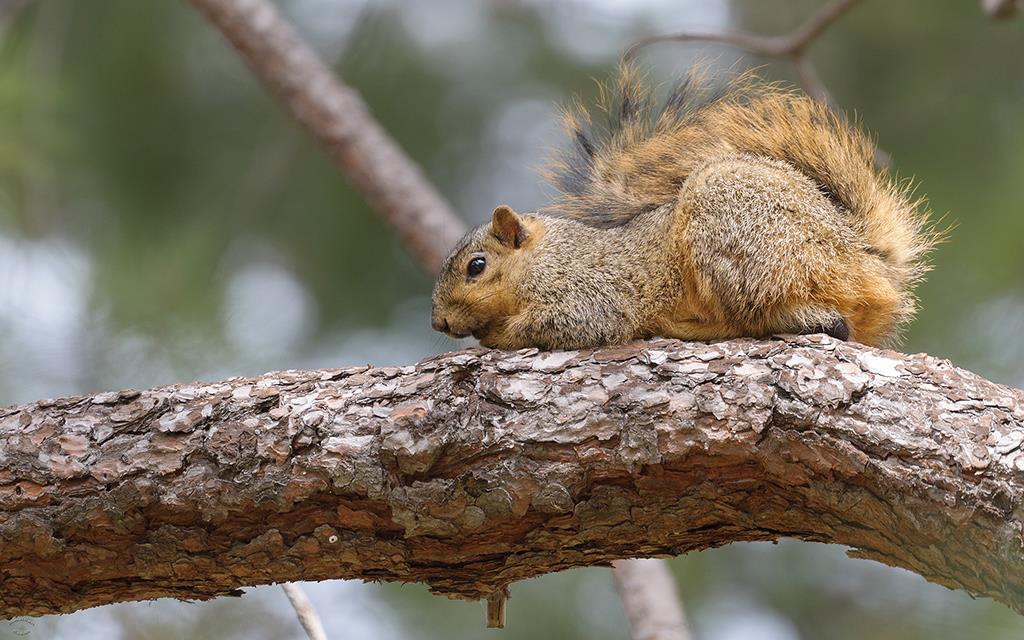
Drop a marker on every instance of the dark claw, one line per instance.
(838, 329)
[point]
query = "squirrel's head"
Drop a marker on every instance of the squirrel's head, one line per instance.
(475, 293)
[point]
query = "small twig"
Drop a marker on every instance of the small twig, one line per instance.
(337, 117)
(762, 45)
(805, 34)
(496, 609)
(649, 596)
(809, 80)
(306, 612)
(792, 46)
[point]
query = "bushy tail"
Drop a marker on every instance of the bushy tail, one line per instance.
(631, 155)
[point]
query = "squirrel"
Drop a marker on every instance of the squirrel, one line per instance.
(752, 210)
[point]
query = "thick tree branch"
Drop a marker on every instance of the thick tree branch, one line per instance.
(475, 469)
(338, 118)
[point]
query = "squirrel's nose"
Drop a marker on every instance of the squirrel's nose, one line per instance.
(439, 324)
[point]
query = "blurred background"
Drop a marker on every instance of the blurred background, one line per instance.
(162, 221)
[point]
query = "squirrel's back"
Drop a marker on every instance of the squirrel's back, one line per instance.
(639, 159)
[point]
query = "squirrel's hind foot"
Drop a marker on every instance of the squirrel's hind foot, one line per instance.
(838, 329)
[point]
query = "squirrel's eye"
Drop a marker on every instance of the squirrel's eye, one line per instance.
(476, 266)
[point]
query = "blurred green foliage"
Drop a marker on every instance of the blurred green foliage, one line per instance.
(144, 173)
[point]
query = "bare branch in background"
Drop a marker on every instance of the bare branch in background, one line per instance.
(9, 10)
(475, 469)
(49, 34)
(809, 79)
(338, 118)
(792, 46)
(267, 174)
(649, 596)
(1000, 9)
(306, 612)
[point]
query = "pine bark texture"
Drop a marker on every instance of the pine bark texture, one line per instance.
(471, 470)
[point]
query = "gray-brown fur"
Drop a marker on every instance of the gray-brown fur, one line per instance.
(744, 213)
(627, 276)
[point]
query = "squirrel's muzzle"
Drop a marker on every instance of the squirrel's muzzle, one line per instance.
(439, 324)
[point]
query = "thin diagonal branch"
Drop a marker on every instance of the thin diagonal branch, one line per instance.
(338, 118)
(649, 596)
(304, 609)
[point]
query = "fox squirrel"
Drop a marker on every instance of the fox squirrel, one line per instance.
(749, 211)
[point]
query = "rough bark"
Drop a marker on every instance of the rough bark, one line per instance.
(472, 470)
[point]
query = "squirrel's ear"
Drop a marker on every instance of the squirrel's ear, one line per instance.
(508, 227)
